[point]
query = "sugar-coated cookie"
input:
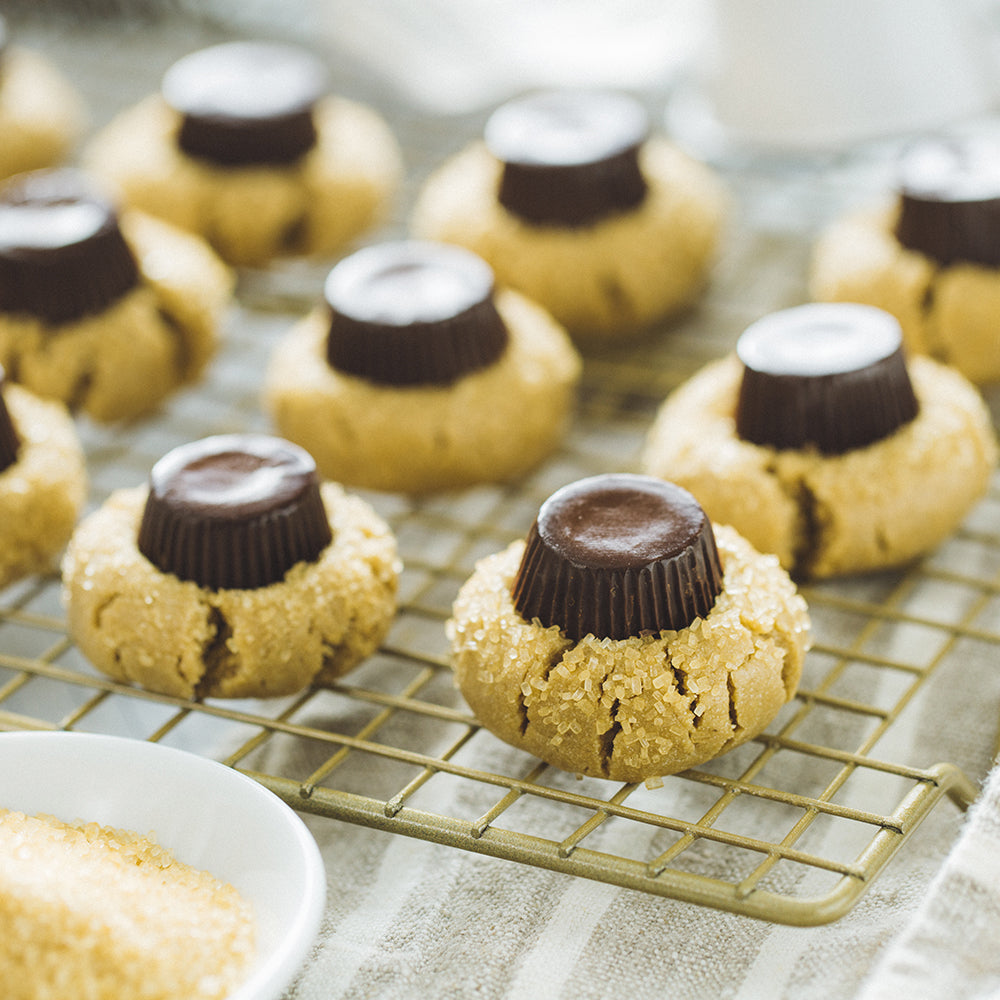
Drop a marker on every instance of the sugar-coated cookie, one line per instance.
(43, 481)
(41, 114)
(931, 257)
(626, 639)
(108, 313)
(820, 443)
(416, 375)
(244, 146)
(572, 203)
(234, 574)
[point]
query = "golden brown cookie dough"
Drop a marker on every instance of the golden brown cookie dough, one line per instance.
(43, 491)
(252, 214)
(125, 360)
(41, 115)
(823, 515)
(632, 709)
(950, 313)
(490, 425)
(139, 624)
(602, 280)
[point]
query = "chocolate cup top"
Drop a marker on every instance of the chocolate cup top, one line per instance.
(246, 103)
(10, 440)
(949, 200)
(570, 157)
(412, 312)
(616, 556)
(827, 375)
(234, 512)
(62, 253)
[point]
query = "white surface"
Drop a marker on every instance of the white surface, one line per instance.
(209, 815)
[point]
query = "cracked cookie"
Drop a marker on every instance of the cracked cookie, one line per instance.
(109, 313)
(244, 146)
(572, 202)
(818, 442)
(234, 574)
(930, 257)
(626, 639)
(416, 374)
(43, 481)
(41, 114)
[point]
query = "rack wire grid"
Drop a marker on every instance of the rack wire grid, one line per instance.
(792, 827)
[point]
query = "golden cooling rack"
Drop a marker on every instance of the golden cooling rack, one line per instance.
(791, 827)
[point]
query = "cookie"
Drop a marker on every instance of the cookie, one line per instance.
(818, 442)
(929, 256)
(267, 165)
(572, 202)
(416, 375)
(626, 638)
(109, 313)
(41, 114)
(43, 481)
(233, 574)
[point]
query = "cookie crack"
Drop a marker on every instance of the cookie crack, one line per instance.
(606, 743)
(522, 705)
(216, 655)
(177, 332)
(809, 533)
(933, 344)
(681, 684)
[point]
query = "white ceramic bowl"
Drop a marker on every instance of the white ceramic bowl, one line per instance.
(209, 815)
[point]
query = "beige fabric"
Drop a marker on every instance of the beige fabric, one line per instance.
(826, 515)
(636, 708)
(126, 360)
(600, 281)
(42, 493)
(491, 425)
(951, 313)
(255, 213)
(139, 624)
(41, 115)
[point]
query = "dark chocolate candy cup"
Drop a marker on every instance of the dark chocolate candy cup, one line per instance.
(616, 556)
(62, 253)
(949, 201)
(570, 157)
(10, 440)
(828, 375)
(246, 103)
(234, 511)
(412, 313)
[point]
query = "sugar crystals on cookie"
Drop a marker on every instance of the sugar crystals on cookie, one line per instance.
(821, 443)
(627, 638)
(234, 573)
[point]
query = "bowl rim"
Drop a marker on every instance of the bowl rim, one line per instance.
(272, 973)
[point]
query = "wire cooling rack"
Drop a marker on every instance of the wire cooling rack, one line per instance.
(792, 827)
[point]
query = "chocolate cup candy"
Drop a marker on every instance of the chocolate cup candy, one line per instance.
(570, 157)
(235, 511)
(828, 375)
(246, 103)
(412, 313)
(62, 254)
(949, 201)
(616, 556)
(10, 440)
